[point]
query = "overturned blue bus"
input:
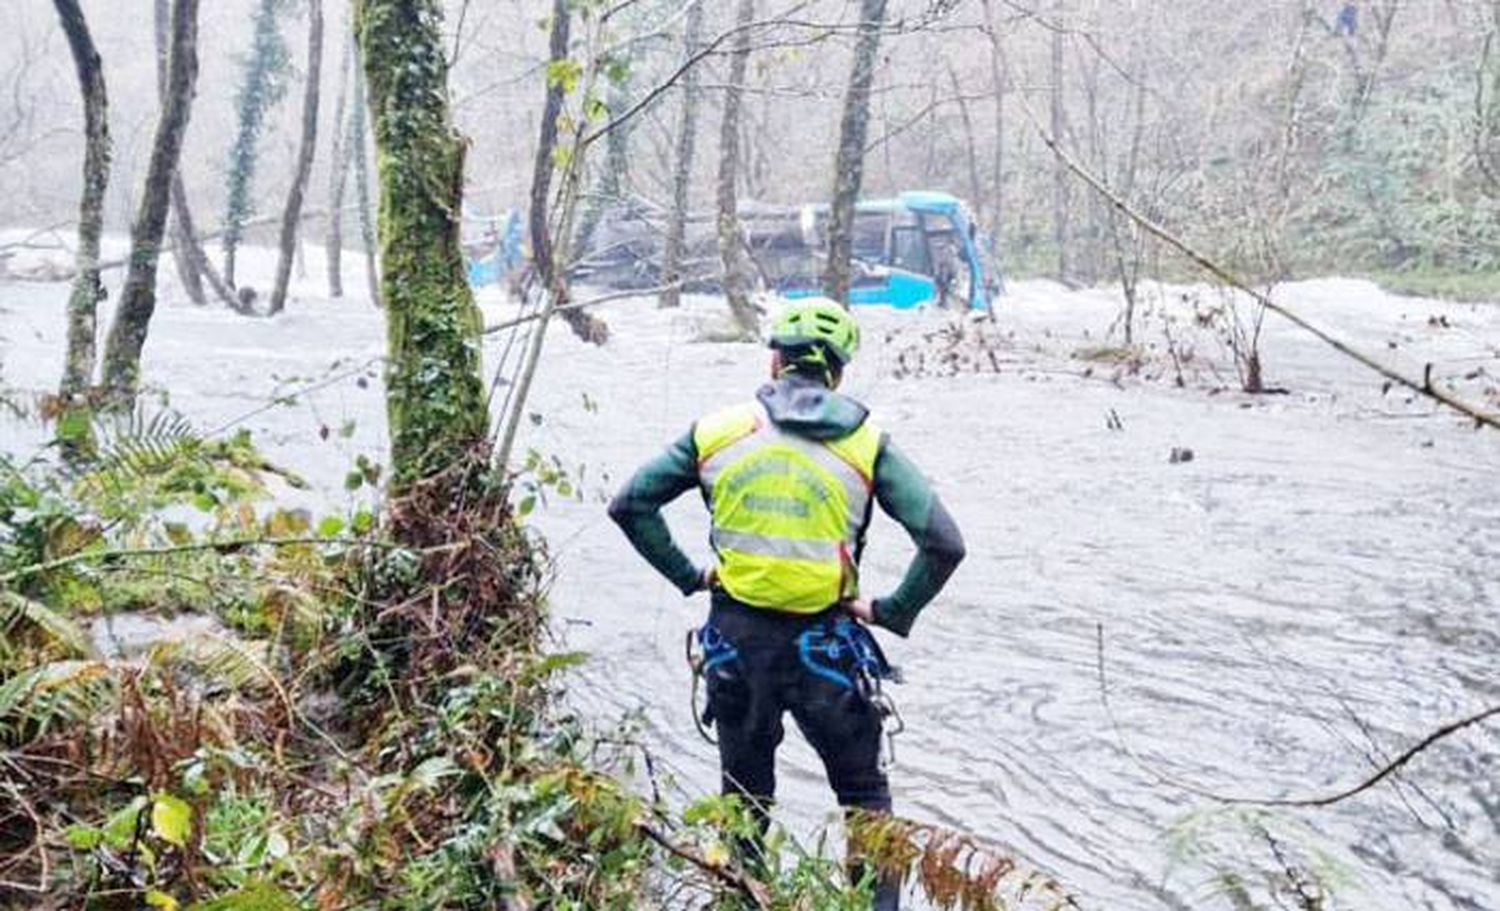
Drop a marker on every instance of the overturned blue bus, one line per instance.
(915, 249)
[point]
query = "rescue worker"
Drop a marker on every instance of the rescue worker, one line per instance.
(789, 480)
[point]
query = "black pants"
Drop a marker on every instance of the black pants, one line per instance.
(750, 694)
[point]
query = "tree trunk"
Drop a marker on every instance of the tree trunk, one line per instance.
(434, 393)
(549, 271)
(1060, 231)
(83, 303)
(338, 176)
(731, 246)
(291, 216)
(182, 255)
(612, 183)
(682, 169)
(127, 335)
(850, 163)
(257, 94)
(359, 128)
(997, 79)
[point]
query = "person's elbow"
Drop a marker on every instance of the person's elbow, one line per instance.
(621, 509)
(948, 551)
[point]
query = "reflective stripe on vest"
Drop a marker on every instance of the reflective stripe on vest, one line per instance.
(788, 512)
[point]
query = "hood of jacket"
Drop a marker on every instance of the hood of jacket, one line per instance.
(810, 409)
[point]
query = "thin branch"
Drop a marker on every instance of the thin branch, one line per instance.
(751, 888)
(591, 302)
(1380, 774)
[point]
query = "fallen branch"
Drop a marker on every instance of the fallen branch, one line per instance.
(228, 546)
(1422, 386)
(1380, 775)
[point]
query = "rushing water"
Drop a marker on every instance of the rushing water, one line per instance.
(1313, 591)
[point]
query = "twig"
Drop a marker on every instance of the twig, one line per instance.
(752, 888)
(579, 305)
(44, 876)
(1380, 775)
(1421, 386)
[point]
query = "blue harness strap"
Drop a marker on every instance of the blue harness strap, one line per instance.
(827, 653)
(717, 650)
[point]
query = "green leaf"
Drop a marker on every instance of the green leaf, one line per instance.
(259, 896)
(346, 429)
(353, 480)
(363, 522)
(527, 504)
(171, 819)
(157, 899)
(565, 74)
(84, 838)
(119, 830)
(330, 527)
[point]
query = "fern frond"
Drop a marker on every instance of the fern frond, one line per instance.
(17, 610)
(232, 663)
(136, 446)
(58, 692)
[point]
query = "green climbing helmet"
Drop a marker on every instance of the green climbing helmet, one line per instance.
(817, 321)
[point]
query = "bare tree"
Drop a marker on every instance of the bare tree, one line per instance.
(187, 271)
(83, 303)
(551, 269)
(359, 142)
(127, 334)
(292, 214)
(1061, 234)
(338, 176)
(850, 162)
(682, 167)
(736, 264)
(261, 89)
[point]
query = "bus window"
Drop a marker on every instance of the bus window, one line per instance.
(909, 249)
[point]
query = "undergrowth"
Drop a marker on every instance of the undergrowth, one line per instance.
(362, 713)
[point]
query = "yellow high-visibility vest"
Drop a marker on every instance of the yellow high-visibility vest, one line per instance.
(788, 512)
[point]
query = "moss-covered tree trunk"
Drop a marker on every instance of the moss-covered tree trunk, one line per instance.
(682, 168)
(849, 167)
(127, 334)
(83, 303)
(291, 215)
(434, 394)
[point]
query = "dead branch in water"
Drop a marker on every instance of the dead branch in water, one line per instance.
(1380, 774)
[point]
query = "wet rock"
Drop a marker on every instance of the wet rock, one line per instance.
(132, 635)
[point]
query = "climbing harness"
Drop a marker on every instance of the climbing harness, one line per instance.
(848, 648)
(706, 649)
(844, 653)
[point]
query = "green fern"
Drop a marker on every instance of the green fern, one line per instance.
(41, 698)
(20, 612)
(135, 447)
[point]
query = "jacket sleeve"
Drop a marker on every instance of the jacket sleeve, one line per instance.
(637, 510)
(904, 494)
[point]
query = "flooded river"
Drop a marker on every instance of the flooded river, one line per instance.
(1309, 594)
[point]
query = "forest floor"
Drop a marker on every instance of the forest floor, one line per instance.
(1308, 593)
